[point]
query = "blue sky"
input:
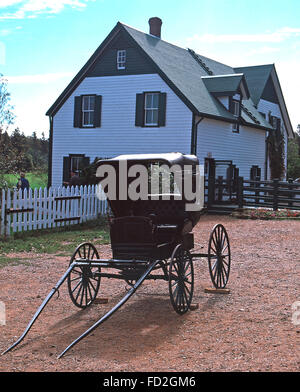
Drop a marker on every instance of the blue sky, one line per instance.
(44, 43)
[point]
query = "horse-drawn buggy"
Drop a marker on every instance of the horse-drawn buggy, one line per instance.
(152, 218)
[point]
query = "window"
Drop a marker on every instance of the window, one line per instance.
(121, 59)
(150, 109)
(74, 163)
(255, 173)
(235, 108)
(87, 111)
(88, 108)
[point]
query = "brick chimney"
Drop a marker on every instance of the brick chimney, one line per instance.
(155, 26)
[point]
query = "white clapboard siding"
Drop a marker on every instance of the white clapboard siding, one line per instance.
(48, 208)
(244, 149)
(118, 133)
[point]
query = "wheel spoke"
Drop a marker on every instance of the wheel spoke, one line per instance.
(72, 280)
(187, 289)
(77, 286)
(78, 292)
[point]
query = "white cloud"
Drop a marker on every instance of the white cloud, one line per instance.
(39, 78)
(8, 3)
(32, 8)
(262, 50)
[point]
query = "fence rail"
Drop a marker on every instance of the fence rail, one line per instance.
(48, 208)
(242, 193)
(273, 194)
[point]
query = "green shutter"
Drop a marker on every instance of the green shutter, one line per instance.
(97, 113)
(162, 109)
(139, 110)
(66, 169)
(85, 162)
(77, 112)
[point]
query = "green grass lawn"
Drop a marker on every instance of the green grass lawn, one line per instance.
(60, 241)
(36, 179)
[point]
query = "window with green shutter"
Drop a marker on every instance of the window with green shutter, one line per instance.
(150, 109)
(74, 163)
(87, 111)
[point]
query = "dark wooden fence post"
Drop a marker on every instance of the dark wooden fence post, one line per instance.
(240, 191)
(220, 188)
(257, 185)
(211, 192)
(291, 194)
(275, 194)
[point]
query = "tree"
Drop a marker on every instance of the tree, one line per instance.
(6, 110)
(293, 161)
(275, 142)
(8, 157)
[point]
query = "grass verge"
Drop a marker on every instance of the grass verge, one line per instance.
(60, 241)
(36, 179)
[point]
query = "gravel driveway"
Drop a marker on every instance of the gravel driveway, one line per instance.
(249, 329)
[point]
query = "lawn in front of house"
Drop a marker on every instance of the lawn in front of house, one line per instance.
(60, 241)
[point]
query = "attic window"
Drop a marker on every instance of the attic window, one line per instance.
(121, 59)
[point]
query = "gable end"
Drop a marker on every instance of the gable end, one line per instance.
(269, 93)
(106, 65)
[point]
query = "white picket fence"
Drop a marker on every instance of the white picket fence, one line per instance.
(48, 208)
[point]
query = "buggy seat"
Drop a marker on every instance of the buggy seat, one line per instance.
(169, 216)
(134, 237)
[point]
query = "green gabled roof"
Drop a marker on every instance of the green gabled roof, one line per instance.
(183, 70)
(179, 68)
(252, 116)
(256, 77)
(223, 84)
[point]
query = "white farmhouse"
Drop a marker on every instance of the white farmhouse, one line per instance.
(141, 94)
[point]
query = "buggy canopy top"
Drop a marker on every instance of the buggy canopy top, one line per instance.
(170, 158)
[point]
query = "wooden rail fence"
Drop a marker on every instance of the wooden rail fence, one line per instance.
(273, 194)
(240, 193)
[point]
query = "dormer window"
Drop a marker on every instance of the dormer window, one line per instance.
(235, 109)
(121, 59)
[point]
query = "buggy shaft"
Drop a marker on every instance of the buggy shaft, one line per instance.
(42, 306)
(114, 309)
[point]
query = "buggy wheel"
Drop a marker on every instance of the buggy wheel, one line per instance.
(181, 279)
(219, 257)
(84, 280)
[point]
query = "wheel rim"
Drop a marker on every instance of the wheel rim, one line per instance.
(219, 258)
(181, 280)
(83, 284)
